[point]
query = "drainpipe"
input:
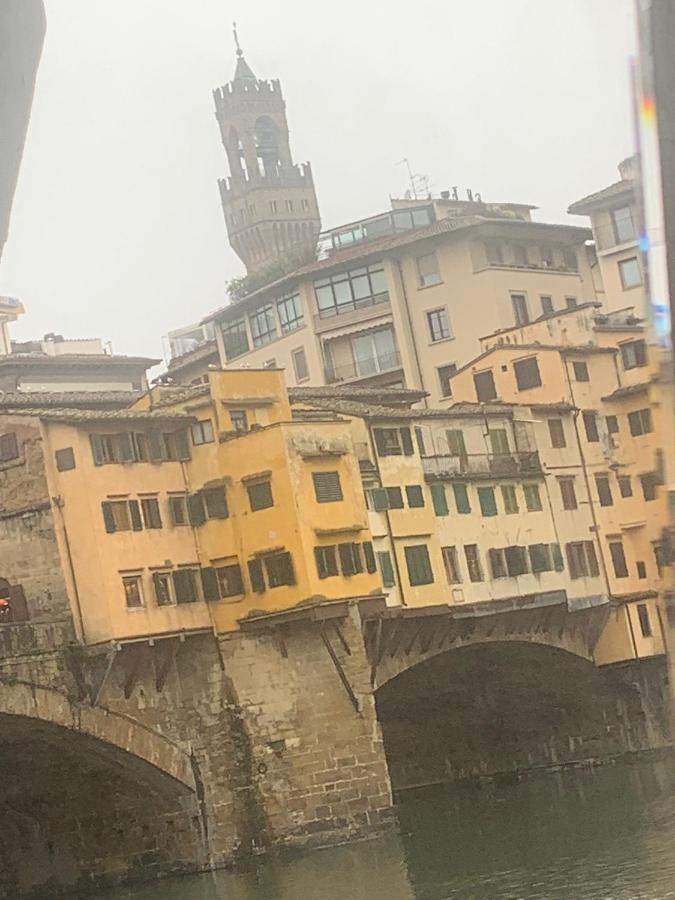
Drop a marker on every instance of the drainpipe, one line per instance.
(410, 327)
(58, 504)
(587, 482)
(389, 534)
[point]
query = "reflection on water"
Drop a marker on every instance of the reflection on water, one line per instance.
(603, 835)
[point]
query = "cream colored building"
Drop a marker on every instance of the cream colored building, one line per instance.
(403, 298)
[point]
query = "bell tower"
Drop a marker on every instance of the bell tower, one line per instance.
(269, 202)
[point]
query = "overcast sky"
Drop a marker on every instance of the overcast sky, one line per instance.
(117, 229)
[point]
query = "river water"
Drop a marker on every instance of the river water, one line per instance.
(608, 834)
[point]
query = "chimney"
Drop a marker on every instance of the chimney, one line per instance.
(629, 168)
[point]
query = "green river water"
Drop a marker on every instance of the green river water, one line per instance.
(608, 834)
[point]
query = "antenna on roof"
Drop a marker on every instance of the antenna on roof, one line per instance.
(419, 184)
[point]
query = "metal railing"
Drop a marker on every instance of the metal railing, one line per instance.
(488, 464)
(363, 368)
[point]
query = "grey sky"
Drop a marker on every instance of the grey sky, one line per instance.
(117, 229)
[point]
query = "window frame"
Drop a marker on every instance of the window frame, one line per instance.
(296, 354)
(473, 563)
(290, 323)
(137, 582)
(623, 264)
(232, 334)
(434, 273)
(536, 492)
(200, 431)
(259, 505)
(438, 324)
(523, 374)
(263, 325)
(568, 492)
(453, 573)
(556, 432)
(324, 493)
(418, 565)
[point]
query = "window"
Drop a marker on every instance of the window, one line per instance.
(121, 515)
(581, 559)
(451, 564)
(133, 591)
(263, 326)
(618, 559)
(484, 383)
(497, 563)
(520, 311)
(327, 487)
(305, 205)
(326, 561)
(509, 498)
(215, 501)
(279, 569)
(444, 374)
(65, 459)
(273, 206)
(527, 373)
(354, 289)
(419, 566)
(394, 498)
(643, 619)
(461, 498)
(629, 270)
(260, 495)
(300, 364)
(162, 584)
(427, 270)
(239, 420)
(499, 441)
(393, 441)
(570, 259)
(235, 339)
(649, 484)
(230, 580)
(289, 309)
(185, 585)
(202, 432)
(439, 500)
(150, 510)
(289, 206)
(624, 229)
(546, 305)
(540, 558)
(178, 510)
(386, 568)
(633, 354)
(567, 493)
(472, 557)
(350, 558)
(625, 486)
(640, 422)
(486, 499)
(493, 253)
(591, 426)
(557, 433)
(516, 561)
(9, 447)
(612, 424)
(456, 445)
(439, 324)
(580, 371)
(415, 495)
(604, 490)
(532, 497)
(571, 302)
(641, 569)
(419, 440)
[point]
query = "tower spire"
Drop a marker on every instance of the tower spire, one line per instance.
(242, 71)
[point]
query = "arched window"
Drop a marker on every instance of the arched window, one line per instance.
(235, 154)
(267, 145)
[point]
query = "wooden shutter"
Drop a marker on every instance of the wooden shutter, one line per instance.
(369, 557)
(488, 504)
(394, 497)
(216, 503)
(184, 585)
(496, 560)
(380, 499)
(327, 487)
(124, 450)
(461, 498)
(406, 442)
(346, 553)
(380, 442)
(386, 568)
(592, 558)
(182, 445)
(439, 500)
(156, 449)
(516, 560)
(151, 514)
(210, 583)
(196, 514)
(135, 514)
(572, 562)
(255, 573)
(108, 517)
(320, 557)
(556, 554)
(97, 449)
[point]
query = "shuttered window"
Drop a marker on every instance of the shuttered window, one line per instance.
(557, 433)
(604, 490)
(580, 370)
(178, 510)
(196, 511)
(394, 497)
(393, 441)
(472, 557)
(633, 354)
(279, 569)
(327, 487)
(215, 501)
(532, 497)
(326, 561)
(568, 493)
(133, 591)
(162, 583)
(516, 560)
(379, 499)
(484, 383)
(581, 559)
(151, 515)
(509, 498)
(487, 501)
(497, 563)
(591, 426)
(65, 459)
(210, 588)
(9, 447)
(540, 558)
(350, 558)
(451, 564)
(386, 568)
(260, 495)
(202, 432)
(640, 422)
(185, 585)
(369, 557)
(527, 373)
(618, 559)
(255, 573)
(230, 580)
(121, 515)
(461, 498)
(415, 495)
(419, 565)
(439, 500)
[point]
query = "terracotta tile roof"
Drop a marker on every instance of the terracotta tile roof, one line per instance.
(209, 348)
(632, 390)
(172, 394)
(92, 359)
(98, 415)
(68, 399)
(592, 201)
(564, 349)
(557, 313)
(385, 396)
(377, 411)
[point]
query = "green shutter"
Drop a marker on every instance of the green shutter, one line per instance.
(135, 513)
(184, 585)
(182, 445)
(419, 440)
(320, 557)
(540, 558)
(379, 499)
(97, 449)
(394, 497)
(196, 513)
(210, 583)
(124, 450)
(369, 557)
(461, 498)
(255, 572)
(488, 504)
(346, 553)
(380, 443)
(156, 449)
(386, 568)
(216, 503)
(439, 500)
(556, 553)
(406, 442)
(108, 517)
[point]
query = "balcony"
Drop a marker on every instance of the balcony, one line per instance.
(482, 465)
(368, 367)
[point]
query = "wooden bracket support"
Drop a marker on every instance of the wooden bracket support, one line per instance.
(97, 687)
(341, 672)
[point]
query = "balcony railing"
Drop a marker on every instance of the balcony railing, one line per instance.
(363, 368)
(482, 464)
(349, 306)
